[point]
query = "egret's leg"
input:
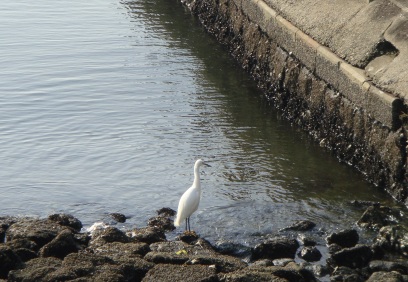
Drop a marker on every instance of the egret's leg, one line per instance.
(188, 220)
(186, 223)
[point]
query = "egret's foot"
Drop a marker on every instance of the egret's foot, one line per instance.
(190, 233)
(189, 237)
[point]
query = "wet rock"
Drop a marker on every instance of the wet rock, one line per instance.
(95, 267)
(82, 238)
(378, 216)
(118, 217)
(382, 276)
(128, 256)
(109, 235)
(387, 266)
(170, 273)
(291, 272)
(24, 248)
(222, 263)
(8, 260)
(279, 247)
(109, 273)
(25, 254)
(85, 262)
(251, 275)
(355, 257)
(364, 204)
(2, 234)
(5, 222)
(40, 231)
(305, 240)
(302, 225)
(117, 250)
(148, 235)
(178, 252)
(282, 261)
(310, 254)
(189, 237)
(378, 251)
(166, 212)
(343, 273)
(393, 239)
(37, 269)
(162, 223)
(66, 220)
(22, 243)
(61, 245)
(317, 269)
(201, 247)
(333, 248)
(166, 258)
(233, 249)
(344, 238)
(263, 263)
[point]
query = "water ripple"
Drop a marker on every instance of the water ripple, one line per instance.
(106, 105)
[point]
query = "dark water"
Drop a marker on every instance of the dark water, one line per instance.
(105, 106)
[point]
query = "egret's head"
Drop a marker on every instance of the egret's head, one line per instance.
(200, 162)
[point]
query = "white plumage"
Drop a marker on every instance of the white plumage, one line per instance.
(190, 200)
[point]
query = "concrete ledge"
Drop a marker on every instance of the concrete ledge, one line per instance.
(287, 34)
(350, 81)
(351, 85)
(378, 100)
(327, 66)
(306, 50)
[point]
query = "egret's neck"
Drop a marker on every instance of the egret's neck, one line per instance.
(196, 182)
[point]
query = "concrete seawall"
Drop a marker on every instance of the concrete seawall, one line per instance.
(340, 71)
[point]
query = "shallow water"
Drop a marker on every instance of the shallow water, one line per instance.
(105, 106)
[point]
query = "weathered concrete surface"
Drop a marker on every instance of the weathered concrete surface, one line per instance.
(358, 32)
(336, 68)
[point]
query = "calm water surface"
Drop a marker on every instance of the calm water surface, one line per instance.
(105, 106)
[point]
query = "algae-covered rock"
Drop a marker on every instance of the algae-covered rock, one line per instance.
(301, 225)
(355, 257)
(387, 266)
(108, 235)
(279, 247)
(377, 216)
(344, 238)
(36, 270)
(290, 272)
(119, 249)
(310, 254)
(382, 276)
(8, 260)
(121, 218)
(148, 235)
(162, 223)
(171, 272)
(66, 220)
(40, 231)
(393, 239)
(60, 246)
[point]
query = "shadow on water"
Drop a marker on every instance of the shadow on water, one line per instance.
(267, 173)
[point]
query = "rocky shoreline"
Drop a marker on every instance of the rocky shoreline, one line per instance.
(58, 249)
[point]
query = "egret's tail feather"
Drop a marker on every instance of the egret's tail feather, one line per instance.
(177, 221)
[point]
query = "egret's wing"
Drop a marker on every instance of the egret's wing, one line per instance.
(187, 205)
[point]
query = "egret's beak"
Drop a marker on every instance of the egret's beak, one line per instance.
(206, 164)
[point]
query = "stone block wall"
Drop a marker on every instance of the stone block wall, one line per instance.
(315, 89)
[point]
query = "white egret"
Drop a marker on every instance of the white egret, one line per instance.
(190, 199)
